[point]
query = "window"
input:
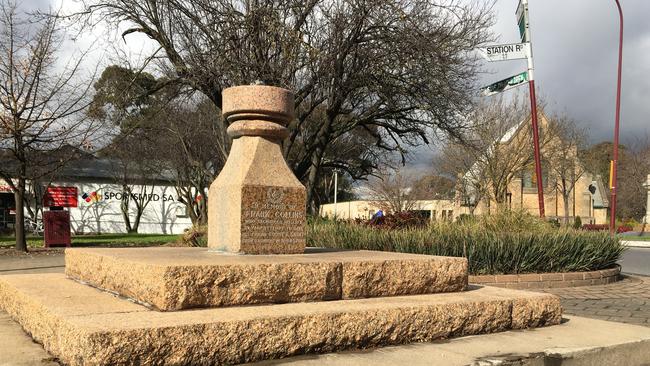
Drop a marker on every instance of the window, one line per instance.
(529, 178)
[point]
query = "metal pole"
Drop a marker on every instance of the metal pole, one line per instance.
(612, 218)
(533, 111)
(336, 180)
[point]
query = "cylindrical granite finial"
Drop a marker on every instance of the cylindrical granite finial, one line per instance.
(257, 110)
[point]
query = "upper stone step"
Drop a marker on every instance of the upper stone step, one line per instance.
(170, 279)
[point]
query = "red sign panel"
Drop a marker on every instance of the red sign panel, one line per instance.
(60, 196)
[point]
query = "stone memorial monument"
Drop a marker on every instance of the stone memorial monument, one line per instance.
(256, 293)
(257, 205)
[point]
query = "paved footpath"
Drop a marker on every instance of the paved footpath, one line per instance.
(626, 301)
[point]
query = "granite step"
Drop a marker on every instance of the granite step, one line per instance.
(169, 279)
(82, 325)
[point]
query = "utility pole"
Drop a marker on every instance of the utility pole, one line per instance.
(614, 163)
(524, 31)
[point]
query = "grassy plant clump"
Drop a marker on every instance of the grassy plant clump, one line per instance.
(195, 236)
(497, 244)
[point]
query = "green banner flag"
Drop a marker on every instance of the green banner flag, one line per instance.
(505, 84)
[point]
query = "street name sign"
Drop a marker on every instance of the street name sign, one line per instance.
(522, 19)
(505, 84)
(503, 52)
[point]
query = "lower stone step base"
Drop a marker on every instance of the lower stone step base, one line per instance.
(84, 326)
(576, 342)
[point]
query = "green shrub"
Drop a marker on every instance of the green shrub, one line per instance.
(196, 236)
(577, 223)
(554, 223)
(489, 248)
(465, 218)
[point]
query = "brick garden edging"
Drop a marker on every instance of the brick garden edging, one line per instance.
(549, 280)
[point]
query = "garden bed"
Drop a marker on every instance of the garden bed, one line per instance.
(549, 280)
(494, 246)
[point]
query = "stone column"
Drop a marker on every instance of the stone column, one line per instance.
(256, 205)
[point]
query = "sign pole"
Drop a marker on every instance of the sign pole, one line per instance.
(613, 184)
(522, 11)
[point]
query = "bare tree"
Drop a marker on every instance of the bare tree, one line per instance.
(634, 169)
(39, 105)
(566, 139)
(496, 151)
(134, 167)
(397, 69)
(393, 191)
(430, 187)
(195, 148)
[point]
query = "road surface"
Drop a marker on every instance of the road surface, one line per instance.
(636, 261)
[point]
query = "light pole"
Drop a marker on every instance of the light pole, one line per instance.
(613, 184)
(336, 189)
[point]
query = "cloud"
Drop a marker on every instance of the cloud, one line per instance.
(575, 45)
(575, 48)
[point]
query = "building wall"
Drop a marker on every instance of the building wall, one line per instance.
(580, 202)
(438, 209)
(163, 214)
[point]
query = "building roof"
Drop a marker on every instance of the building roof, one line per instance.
(83, 166)
(103, 169)
(599, 194)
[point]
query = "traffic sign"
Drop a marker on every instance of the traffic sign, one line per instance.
(503, 52)
(522, 19)
(505, 84)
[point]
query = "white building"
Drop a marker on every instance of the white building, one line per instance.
(99, 200)
(432, 209)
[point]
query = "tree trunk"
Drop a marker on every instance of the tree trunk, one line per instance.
(317, 158)
(124, 206)
(565, 199)
(19, 195)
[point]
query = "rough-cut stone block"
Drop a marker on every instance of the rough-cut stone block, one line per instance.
(83, 326)
(182, 278)
(257, 205)
(407, 276)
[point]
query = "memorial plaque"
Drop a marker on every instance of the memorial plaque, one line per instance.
(273, 217)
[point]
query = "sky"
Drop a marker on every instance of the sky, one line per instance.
(574, 42)
(575, 49)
